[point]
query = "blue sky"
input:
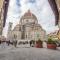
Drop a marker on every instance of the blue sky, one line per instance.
(40, 8)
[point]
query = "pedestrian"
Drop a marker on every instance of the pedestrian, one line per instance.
(8, 42)
(0, 41)
(30, 43)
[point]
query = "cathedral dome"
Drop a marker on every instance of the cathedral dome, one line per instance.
(28, 16)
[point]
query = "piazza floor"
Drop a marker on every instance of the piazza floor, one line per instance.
(28, 53)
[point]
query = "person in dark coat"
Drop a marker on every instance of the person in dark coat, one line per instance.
(0, 41)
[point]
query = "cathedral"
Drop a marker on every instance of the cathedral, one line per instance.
(27, 29)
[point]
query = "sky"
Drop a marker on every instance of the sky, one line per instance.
(40, 8)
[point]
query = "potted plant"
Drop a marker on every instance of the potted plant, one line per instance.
(39, 43)
(51, 44)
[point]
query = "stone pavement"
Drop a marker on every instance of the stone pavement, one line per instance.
(29, 53)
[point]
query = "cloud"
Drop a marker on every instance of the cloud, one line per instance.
(32, 1)
(18, 3)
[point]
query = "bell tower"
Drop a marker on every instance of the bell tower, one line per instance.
(9, 30)
(10, 26)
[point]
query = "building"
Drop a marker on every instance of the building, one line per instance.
(27, 29)
(55, 5)
(53, 34)
(58, 6)
(1, 18)
(6, 5)
(3, 13)
(55, 10)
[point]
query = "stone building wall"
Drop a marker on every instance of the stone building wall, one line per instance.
(58, 5)
(1, 16)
